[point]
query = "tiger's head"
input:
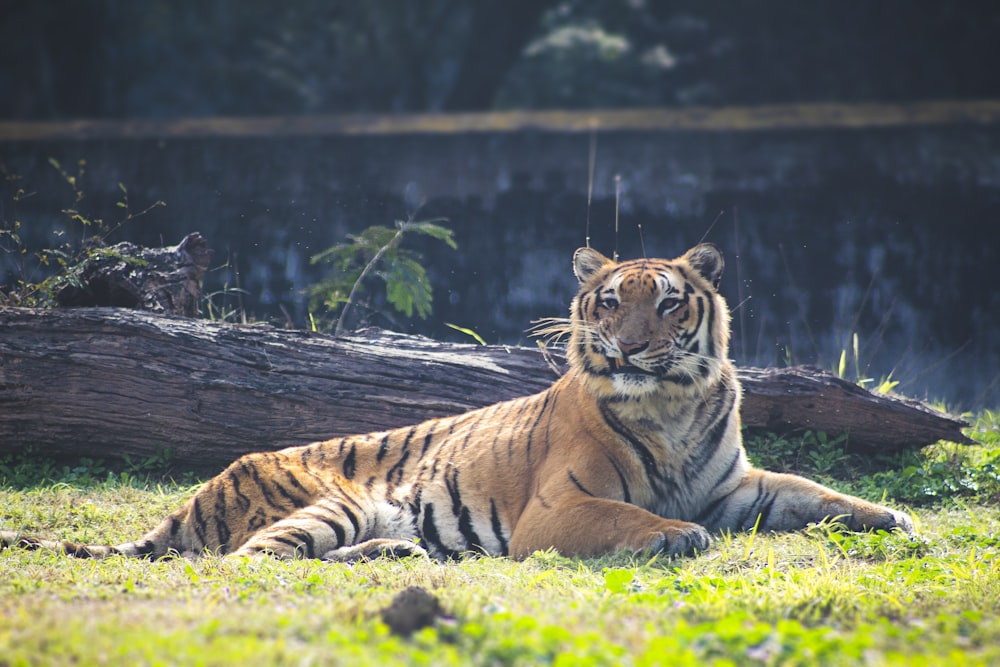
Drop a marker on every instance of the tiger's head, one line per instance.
(647, 325)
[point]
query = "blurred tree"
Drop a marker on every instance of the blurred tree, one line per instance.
(594, 53)
(497, 34)
(188, 57)
(142, 58)
(46, 50)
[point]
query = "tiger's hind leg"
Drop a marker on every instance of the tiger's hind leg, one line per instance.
(773, 501)
(337, 529)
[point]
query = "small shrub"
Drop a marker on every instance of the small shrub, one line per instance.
(36, 277)
(375, 255)
(811, 453)
(28, 469)
(939, 473)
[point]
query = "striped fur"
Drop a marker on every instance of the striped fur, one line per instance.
(637, 447)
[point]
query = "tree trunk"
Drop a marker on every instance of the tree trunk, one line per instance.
(103, 382)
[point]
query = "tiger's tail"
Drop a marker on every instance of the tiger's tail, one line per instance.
(144, 548)
(166, 539)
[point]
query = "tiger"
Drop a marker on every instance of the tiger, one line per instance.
(637, 447)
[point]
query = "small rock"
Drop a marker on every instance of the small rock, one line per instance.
(412, 609)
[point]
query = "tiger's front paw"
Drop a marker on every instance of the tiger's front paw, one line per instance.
(679, 539)
(901, 520)
(375, 548)
(882, 518)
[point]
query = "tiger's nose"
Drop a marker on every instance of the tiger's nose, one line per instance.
(629, 348)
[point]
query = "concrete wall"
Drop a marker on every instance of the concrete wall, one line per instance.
(887, 232)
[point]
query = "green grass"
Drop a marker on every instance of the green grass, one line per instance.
(819, 597)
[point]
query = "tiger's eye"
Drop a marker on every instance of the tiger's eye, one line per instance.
(668, 305)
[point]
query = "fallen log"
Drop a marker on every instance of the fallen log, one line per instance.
(802, 398)
(107, 382)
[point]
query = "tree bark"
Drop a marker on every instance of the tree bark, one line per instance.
(161, 280)
(104, 382)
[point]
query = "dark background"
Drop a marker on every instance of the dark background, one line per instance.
(889, 233)
(166, 58)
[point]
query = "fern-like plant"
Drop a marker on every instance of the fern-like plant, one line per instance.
(373, 256)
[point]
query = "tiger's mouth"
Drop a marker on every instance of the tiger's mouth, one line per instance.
(622, 367)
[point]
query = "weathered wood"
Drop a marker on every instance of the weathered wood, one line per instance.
(100, 382)
(105, 382)
(695, 119)
(803, 398)
(161, 280)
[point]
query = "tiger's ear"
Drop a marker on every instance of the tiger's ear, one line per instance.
(706, 259)
(587, 262)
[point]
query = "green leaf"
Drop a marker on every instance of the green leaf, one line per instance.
(192, 574)
(407, 286)
(618, 580)
(429, 228)
(467, 332)
(333, 254)
(375, 237)
(886, 385)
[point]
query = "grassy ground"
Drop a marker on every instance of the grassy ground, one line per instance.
(819, 597)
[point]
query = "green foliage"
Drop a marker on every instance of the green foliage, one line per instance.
(468, 332)
(884, 386)
(619, 580)
(586, 56)
(943, 472)
(375, 255)
(41, 274)
(811, 453)
(986, 428)
(940, 473)
(226, 304)
(28, 469)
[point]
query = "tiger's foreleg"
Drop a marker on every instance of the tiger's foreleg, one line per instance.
(595, 526)
(780, 502)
